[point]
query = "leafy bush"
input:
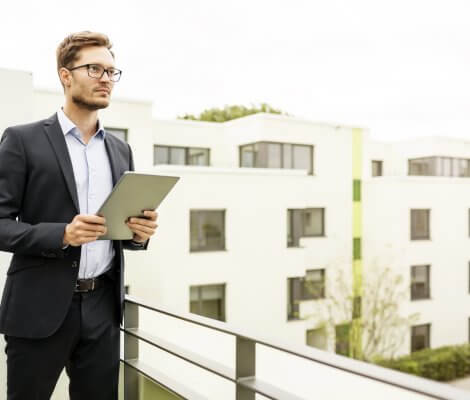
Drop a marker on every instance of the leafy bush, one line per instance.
(231, 112)
(441, 364)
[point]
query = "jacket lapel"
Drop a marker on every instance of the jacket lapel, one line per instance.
(113, 159)
(57, 139)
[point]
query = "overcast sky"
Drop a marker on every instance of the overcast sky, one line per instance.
(401, 68)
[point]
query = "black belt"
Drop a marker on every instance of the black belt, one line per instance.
(88, 285)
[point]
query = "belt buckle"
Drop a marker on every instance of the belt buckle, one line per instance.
(77, 285)
(77, 290)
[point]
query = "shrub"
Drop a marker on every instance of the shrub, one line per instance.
(441, 364)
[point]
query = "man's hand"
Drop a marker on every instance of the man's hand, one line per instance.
(143, 228)
(84, 229)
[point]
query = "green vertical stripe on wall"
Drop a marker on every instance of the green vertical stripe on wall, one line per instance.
(356, 190)
(356, 249)
(356, 331)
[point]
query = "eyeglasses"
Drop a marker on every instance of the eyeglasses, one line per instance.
(97, 71)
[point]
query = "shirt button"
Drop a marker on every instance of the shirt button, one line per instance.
(74, 264)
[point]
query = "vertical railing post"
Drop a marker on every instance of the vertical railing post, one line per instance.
(131, 351)
(245, 366)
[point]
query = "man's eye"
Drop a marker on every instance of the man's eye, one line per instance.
(94, 68)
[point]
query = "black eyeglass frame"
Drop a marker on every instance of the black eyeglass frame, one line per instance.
(110, 76)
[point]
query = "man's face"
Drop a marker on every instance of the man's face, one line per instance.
(91, 93)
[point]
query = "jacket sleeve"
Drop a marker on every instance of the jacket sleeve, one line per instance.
(42, 239)
(130, 244)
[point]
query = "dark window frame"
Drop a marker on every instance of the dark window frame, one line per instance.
(305, 293)
(413, 235)
(414, 292)
(222, 311)
(223, 237)
(427, 340)
(311, 171)
(438, 165)
(309, 331)
(186, 154)
(380, 164)
(291, 219)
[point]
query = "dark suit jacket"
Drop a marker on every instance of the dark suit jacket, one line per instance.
(38, 197)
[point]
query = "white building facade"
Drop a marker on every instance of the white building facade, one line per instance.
(264, 212)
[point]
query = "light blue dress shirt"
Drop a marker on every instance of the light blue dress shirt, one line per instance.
(92, 172)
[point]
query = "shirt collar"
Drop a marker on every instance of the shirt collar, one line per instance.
(68, 126)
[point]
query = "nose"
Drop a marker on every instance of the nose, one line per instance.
(105, 74)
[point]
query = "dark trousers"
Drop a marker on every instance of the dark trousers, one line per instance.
(86, 344)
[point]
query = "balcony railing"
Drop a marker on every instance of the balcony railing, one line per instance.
(260, 366)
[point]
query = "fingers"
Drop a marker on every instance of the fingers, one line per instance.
(141, 230)
(142, 222)
(84, 229)
(88, 233)
(91, 228)
(150, 214)
(91, 219)
(91, 223)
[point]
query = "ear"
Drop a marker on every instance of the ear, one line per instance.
(65, 77)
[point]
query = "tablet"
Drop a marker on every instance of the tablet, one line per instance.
(132, 194)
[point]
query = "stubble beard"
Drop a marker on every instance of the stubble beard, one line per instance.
(81, 102)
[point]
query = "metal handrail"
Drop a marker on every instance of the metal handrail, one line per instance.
(247, 342)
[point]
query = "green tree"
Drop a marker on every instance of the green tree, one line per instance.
(231, 112)
(383, 326)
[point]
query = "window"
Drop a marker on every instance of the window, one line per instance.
(180, 155)
(439, 166)
(308, 222)
(420, 282)
(317, 338)
(277, 155)
(446, 166)
(248, 155)
(420, 337)
(294, 296)
(308, 287)
(423, 166)
(461, 167)
(377, 168)
(207, 230)
(342, 339)
(208, 301)
(197, 156)
(314, 284)
(420, 225)
(274, 159)
(118, 132)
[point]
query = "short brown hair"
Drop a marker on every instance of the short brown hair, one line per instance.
(68, 49)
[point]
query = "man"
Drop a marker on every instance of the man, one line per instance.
(63, 298)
